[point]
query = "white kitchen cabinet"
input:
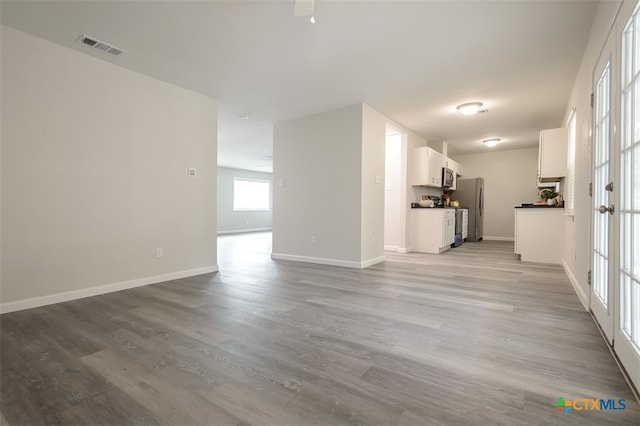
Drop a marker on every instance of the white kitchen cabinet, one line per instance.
(426, 167)
(435, 167)
(449, 227)
(538, 234)
(453, 165)
(432, 230)
(552, 154)
(465, 224)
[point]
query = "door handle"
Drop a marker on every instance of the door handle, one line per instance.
(604, 209)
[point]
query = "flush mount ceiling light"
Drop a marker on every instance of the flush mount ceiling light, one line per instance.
(470, 108)
(491, 142)
(244, 115)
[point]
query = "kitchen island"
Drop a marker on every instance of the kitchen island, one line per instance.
(539, 232)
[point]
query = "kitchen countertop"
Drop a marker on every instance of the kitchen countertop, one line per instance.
(438, 207)
(532, 206)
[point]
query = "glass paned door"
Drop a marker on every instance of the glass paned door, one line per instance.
(627, 333)
(602, 198)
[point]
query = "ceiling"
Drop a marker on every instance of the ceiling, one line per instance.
(412, 61)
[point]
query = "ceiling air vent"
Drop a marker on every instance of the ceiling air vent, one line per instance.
(100, 45)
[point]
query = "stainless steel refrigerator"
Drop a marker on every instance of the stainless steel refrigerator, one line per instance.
(470, 193)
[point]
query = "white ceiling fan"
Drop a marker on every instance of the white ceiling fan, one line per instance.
(304, 8)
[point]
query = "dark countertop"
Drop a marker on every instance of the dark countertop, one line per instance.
(531, 206)
(437, 207)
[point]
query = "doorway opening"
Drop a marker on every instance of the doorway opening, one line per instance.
(395, 191)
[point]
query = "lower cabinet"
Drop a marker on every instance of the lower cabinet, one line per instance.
(432, 230)
(539, 233)
(465, 224)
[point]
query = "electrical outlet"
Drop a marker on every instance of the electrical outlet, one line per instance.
(159, 252)
(313, 239)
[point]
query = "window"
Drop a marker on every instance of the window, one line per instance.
(630, 183)
(251, 194)
(569, 201)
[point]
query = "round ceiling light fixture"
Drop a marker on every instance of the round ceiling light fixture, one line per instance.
(491, 142)
(471, 108)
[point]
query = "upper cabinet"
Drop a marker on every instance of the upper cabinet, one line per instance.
(426, 167)
(453, 165)
(552, 154)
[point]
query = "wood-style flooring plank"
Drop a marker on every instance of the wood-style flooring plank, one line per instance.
(468, 337)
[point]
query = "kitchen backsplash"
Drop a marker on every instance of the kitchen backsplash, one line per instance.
(419, 191)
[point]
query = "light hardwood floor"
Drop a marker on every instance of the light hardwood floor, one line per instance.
(468, 337)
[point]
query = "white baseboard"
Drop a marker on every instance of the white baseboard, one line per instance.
(498, 238)
(372, 261)
(325, 261)
(397, 249)
(66, 296)
(241, 231)
(576, 286)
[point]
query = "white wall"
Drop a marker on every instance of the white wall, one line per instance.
(373, 143)
(394, 190)
(509, 180)
(331, 169)
(577, 257)
(93, 176)
(239, 221)
(318, 161)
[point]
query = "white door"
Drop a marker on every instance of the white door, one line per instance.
(603, 252)
(627, 330)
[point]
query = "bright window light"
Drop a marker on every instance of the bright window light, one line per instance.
(251, 194)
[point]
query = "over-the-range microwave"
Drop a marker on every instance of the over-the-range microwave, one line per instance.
(447, 177)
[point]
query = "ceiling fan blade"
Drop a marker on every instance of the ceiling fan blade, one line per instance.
(303, 8)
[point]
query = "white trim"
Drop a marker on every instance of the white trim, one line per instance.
(66, 296)
(397, 249)
(371, 261)
(324, 261)
(240, 231)
(576, 286)
(498, 238)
